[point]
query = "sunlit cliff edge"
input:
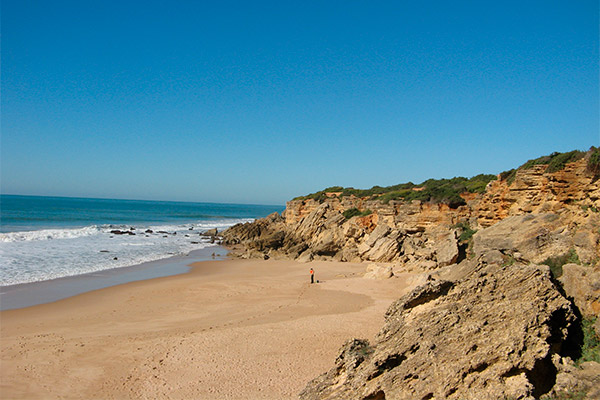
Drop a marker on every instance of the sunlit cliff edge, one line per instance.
(510, 294)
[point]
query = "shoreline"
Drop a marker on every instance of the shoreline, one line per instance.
(227, 329)
(35, 293)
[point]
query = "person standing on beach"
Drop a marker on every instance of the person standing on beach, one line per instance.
(312, 276)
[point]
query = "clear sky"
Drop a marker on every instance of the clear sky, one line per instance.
(259, 102)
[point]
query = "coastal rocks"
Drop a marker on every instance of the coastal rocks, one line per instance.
(541, 215)
(268, 241)
(536, 191)
(375, 271)
(539, 237)
(582, 284)
(535, 237)
(119, 232)
(572, 381)
(446, 248)
(249, 231)
(490, 335)
(325, 234)
(381, 245)
(384, 250)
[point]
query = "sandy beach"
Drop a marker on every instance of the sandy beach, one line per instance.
(231, 329)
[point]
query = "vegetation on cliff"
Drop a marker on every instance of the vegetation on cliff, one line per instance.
(353, 212)
(557, 161)
(590, 349)
(593, 164)
(556, 263)
(447, 191)
(451, 191)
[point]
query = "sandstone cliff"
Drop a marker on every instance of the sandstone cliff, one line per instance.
(490, 322)
(417, 235)
(449, 340)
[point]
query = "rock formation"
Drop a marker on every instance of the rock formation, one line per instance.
(419, 236)
(496, 333)
(375, 271)
(488, 322)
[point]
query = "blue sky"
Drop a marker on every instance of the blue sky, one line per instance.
(259, 102)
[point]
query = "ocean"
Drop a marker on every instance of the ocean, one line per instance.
(44, 238)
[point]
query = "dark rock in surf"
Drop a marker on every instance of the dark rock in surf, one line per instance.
(210, 232)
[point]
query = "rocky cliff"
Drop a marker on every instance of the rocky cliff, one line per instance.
(510, 276)
(418, 236)
(449, 340)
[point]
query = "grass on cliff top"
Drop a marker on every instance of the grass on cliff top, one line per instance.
(557, 161)
(593, 164)
(445, 191)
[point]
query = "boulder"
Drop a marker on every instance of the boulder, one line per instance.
(119, 232)
(419, 265)
(380, 231)
(211, 232)
(492, 257)
(350, 253)
(582, 284)
(489, 335)
(352, 230)
(535, 236)
(384, 250)
(268, 241)
(305, 257)
(326, 244)
(446, 249)
(573, 381)
(295, 250)
(375, 271)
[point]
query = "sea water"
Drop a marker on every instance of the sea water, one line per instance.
(43, 238)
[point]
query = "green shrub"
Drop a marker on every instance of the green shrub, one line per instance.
(590, 208)
(555, 161)
(448, 191)
(508, 260)
(509, 176)
(543, 160)
(466, 233)
(566, 395)
(559, 161)
(593, 163)
(353, 212)
(445, 191)
(556, 263)
(478, 183)
(590, 349)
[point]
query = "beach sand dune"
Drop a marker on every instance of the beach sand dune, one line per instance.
(234, 329)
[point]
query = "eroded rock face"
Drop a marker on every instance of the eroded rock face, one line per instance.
(534, 236)
(490, 335)
(375, 271)
(582, 284)
(552, 213)
(535, 191)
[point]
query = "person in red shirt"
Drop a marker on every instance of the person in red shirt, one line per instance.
(312, 276)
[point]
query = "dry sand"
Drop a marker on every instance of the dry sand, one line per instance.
(234, 329)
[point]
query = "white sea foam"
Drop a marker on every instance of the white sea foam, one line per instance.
(49, 234)
(53, 253)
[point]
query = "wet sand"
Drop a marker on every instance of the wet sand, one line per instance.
(31, 294)
(232, 329)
